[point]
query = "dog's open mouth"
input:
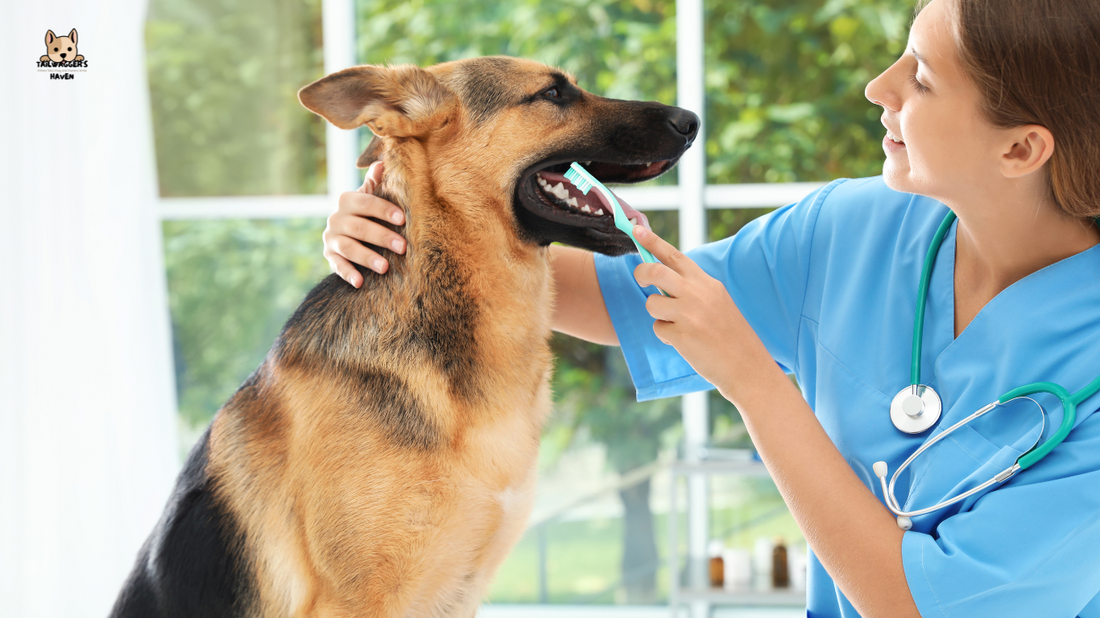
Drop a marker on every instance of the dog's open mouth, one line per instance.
(546, 191)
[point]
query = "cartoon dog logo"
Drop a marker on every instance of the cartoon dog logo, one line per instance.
(61, 48)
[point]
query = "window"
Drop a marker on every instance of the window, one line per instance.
(247, 176)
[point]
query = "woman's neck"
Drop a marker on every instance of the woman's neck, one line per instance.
(1007, 238)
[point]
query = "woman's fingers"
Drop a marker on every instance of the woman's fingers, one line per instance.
(367, 230)
(661, 308)
(346, 270)
(372, 178)
(661, 274)
(356, 221)
(662, 250)
(344, 251)
(367, 205)
(342, 240)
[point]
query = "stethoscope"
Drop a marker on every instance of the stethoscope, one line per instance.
(917, 407)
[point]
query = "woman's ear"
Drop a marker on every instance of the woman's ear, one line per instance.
(1027, 150)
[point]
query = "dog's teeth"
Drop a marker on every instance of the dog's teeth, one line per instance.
(560, 191)
(542, 181)
(572, 202)
(647, 164)
(587, 163)
(586, 209)
(634, 221)
(599, 212)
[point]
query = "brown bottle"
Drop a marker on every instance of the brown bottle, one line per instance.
(717, 572)
(780, 574)
(717, 566)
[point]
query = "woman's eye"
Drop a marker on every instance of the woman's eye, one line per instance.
(916, 84)
(552, 93)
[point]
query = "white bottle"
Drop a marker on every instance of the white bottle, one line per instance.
(738, 565)
(798, 562)
(762, 564)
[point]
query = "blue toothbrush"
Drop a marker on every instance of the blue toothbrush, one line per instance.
(585, 181)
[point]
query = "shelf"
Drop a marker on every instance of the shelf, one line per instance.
(749, 467)
(745, 597)
(719, 462)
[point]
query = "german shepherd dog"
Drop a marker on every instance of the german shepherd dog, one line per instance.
(381, 461)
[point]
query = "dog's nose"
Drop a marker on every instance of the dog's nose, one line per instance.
(686, 123)
(62, 55)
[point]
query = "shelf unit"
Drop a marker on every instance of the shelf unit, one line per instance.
(697, 592)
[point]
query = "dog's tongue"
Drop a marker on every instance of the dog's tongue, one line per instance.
(595, 199)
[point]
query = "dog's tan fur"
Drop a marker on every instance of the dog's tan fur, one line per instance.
(382, 460)
(350, 523)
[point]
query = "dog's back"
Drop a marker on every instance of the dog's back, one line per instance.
(192, 564)
(382, 459)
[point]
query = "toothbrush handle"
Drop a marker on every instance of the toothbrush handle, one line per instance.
(648, 257)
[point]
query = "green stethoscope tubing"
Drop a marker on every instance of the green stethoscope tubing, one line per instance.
(1069, 401)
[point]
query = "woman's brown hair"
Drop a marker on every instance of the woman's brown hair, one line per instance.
(1038, 62)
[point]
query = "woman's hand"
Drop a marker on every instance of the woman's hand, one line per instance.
(859, 544)
(354, 221)
(698, 317)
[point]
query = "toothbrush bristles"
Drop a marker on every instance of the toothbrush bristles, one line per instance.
(578, 181)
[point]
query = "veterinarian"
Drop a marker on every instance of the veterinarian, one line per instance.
(992, 116)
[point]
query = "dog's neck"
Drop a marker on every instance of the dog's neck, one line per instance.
(463, 253)
(464, 218)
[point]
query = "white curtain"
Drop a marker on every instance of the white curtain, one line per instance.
(87, 399)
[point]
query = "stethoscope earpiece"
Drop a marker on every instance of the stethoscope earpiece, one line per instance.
(881, 470)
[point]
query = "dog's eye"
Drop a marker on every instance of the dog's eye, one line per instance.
(552, 94)
(55, 49)
(70, 49)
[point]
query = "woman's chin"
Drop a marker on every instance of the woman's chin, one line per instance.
(895, 177)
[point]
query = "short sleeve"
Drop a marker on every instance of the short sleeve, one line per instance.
(765, 267)
(1029, 548)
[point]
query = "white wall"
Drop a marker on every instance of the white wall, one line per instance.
(87, 400)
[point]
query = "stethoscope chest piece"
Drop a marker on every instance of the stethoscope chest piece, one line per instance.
(915, 409)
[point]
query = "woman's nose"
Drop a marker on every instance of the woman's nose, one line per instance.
(880, 92)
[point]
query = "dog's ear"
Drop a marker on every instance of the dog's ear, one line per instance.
(400, 101)
(50, 36)
(72, 35)
(372, 153)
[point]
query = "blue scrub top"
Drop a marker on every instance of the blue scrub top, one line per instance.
(830, 286)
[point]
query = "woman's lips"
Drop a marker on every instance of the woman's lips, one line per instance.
(889, 145)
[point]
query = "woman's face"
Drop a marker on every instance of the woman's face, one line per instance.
(941, 146)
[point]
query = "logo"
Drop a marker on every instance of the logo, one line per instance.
(62, 60)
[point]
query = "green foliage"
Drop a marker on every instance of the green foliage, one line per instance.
(594, 395)
(623, 49)
(629, 46)
(223, 82)
(785, 82)
(232, 284)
